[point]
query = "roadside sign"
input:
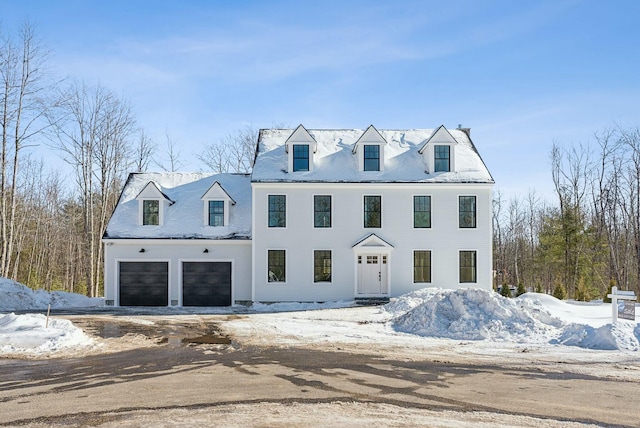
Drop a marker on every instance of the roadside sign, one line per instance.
(627, 310)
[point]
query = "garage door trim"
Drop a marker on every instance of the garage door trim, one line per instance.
(201, 260)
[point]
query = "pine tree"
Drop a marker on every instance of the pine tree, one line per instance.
(559, 292)
(505, 291)
(521, 290)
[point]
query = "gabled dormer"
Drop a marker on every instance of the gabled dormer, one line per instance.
(217, 205)
(370, 150)
(439, 151)
(152, 204)
(300, 147)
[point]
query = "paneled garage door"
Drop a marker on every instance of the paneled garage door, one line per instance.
(144, 283)
(206, 283)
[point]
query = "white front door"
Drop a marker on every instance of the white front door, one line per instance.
(372, 274)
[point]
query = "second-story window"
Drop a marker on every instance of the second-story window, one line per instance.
(467, 212)
(371, 158)
(277, 211)
(150, 212)
(216, 213)
(442, 158)
(373, 211)
(322, 211)
(422, 211)
(300, 157)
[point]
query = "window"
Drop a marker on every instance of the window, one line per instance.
(300, 157)
(467, 266)
(371, 158)
(373, 211)
(277, 210)
(216, 213)
(442, 158)
(467, 211)
(277, 267)
(422, 266)
(322, 266)
(322, 211)
(150, 212)
(421, 211)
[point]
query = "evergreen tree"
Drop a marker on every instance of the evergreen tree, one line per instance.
(521, 290)
(505, 291)
(559, 292)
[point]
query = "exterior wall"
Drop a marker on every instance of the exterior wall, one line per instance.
(445, 239)
(175, 252)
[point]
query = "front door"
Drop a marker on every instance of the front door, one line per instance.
(372, 274)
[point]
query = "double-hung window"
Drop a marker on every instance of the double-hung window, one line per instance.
(150, 212)
(468, 269)
(322, 211)
(467, 212)
(442, 158)
(322, 266)
(422, 266)
(371, 158)
(300, 157)
(276, 261)
(422, 211)
(216, 213)
(277, 211)
(373, 211)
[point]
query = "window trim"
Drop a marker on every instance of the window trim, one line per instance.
(269, 212)
(286, 274)
(142, 213)
(430, 211)
(313, 217)
(475, 212)
(474, 280)
(430, 266)
(313, 266)
(293, 157)
(224, 212)
(364, 197)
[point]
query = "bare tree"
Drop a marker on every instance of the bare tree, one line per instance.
(233, 153)
(173, 155)
(143, 152)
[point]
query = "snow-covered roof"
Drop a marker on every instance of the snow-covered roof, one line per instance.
(185, 217)
(335, 161)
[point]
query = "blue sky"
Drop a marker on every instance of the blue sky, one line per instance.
(520, 74)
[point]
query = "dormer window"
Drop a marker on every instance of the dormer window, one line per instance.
(300, 157)
(371, 157)
(216, 202)
(150, 212)
(442, 158)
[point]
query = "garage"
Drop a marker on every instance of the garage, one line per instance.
(206, 283)
(144, 283)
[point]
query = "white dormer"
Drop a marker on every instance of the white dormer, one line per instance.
(370, 150)
(439, 151)
(152, 204)
(300, 147)
(216, 205)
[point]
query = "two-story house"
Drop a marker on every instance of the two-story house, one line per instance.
(333, 215)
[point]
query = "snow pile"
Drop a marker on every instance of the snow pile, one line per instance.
(17, 297)
(29, 334)
(297, 306)
(473, 314)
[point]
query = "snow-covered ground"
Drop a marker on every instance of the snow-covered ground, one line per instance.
(469, 321)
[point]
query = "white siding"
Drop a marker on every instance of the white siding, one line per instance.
(175, 252)
(445, 239)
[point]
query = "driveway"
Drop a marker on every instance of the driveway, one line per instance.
(186, 372)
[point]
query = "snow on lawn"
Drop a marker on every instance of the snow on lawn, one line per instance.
(17, 297)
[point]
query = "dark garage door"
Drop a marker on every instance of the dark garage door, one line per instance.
(206, 283)
(144, 283)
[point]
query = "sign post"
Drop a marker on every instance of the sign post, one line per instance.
(627, 309)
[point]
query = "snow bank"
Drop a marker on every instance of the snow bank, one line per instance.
(473, 314)
(299, 306)
(27, 333)
(17, 297)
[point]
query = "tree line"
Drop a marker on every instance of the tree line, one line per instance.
(589, 239)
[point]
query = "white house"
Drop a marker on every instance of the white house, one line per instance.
(325, 215)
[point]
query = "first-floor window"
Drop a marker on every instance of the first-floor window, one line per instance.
(216, 213)
(422, 266)
(150, 212)
(277, 265)
(468, 269)
(373, 211)
(322, 266)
